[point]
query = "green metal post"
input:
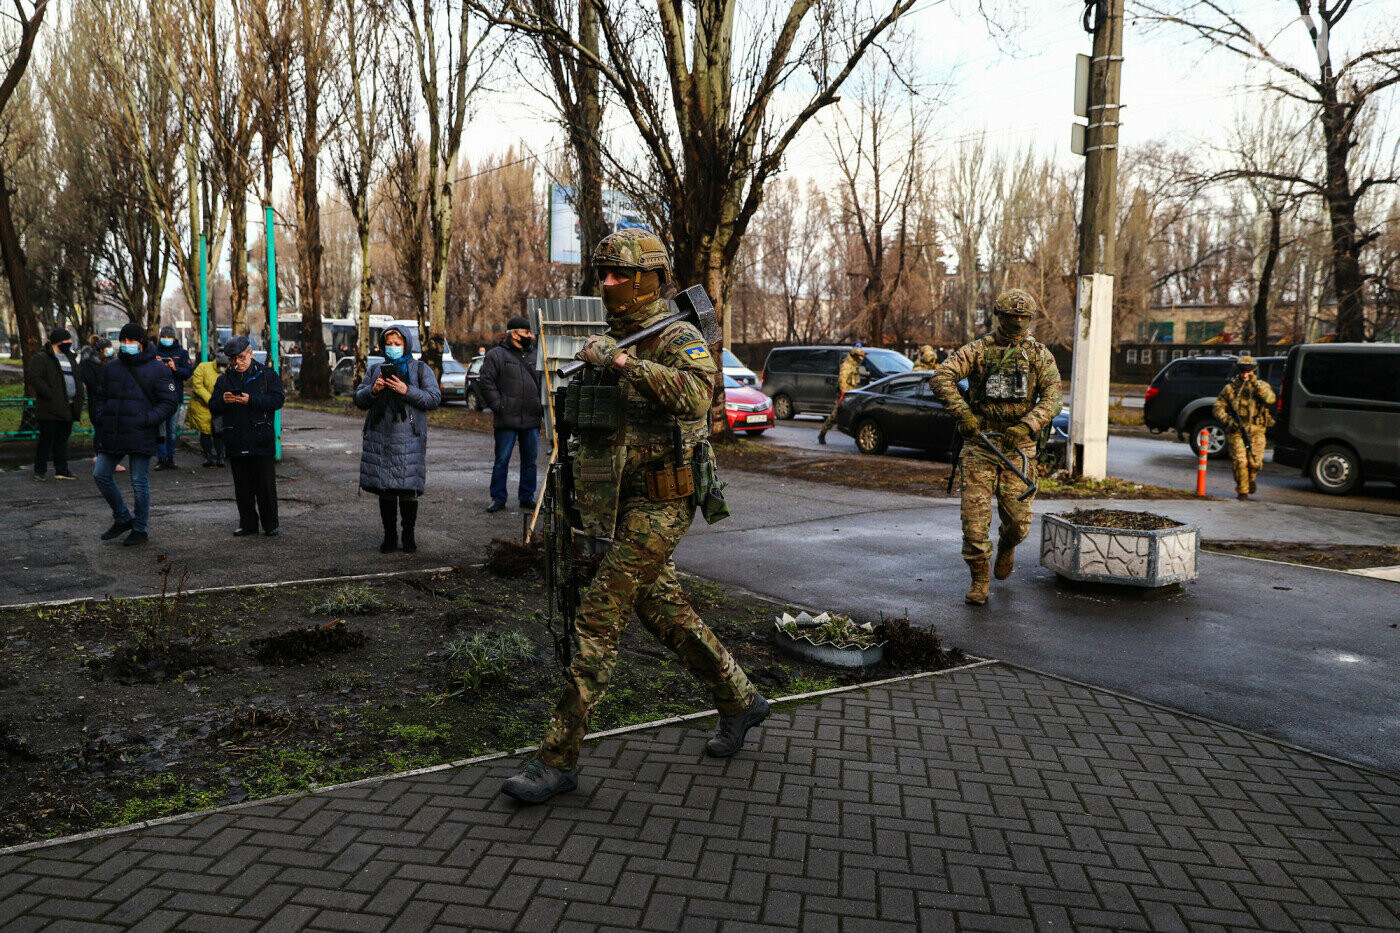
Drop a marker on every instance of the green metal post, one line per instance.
(273, 353)
(203, 298)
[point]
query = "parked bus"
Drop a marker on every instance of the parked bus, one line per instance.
(338, 333)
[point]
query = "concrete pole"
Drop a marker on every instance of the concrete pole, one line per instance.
(273, 354)
(1093, 332)
(203, 299)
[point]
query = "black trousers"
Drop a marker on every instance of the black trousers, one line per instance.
(53, 442)
(255, 488)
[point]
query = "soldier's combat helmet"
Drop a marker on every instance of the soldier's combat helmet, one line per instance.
(1246, 363)
(641, 254)
(1016, 301)
(858, 352)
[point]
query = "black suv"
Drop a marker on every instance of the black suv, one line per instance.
(800, 379)
(1181, 395)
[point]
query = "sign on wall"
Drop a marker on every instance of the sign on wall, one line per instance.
(618, 211)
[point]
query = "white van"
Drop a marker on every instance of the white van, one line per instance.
(738, 371)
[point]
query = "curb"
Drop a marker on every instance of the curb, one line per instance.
(1289, 563)
(465, 762)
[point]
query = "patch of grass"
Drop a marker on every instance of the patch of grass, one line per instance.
(270, 772)
(348, 600)
(485, 657)
(162, 795)
(420, 735)
(811, 684)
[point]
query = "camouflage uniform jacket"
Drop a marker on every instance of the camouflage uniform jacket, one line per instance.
(927, 360)
(1252, 399)
(848, 377)
(668, 381)
(1008, 383)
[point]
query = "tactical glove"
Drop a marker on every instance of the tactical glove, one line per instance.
(968, 426)
(599, 350)
(1017, 434)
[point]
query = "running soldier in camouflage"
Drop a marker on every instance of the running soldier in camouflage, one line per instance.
(1245, 407)
(928, 359)
(847, 378)
(1014, 390)
(635, 499)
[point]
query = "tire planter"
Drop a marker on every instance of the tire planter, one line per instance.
(828, 653)
(1124, 556)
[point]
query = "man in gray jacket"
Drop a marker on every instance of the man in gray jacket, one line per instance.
(511, 386)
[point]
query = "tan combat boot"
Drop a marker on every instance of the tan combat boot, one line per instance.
(1006, 560)
(981, 582)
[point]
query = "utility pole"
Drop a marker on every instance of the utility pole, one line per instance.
(1093, 331)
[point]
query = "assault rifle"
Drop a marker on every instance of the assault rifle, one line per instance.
(986, 437)
(567, 568)
(1235, 416)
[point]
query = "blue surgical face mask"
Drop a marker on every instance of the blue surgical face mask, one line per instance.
(131, 348)
(392, 352)
(109, 351)
(167, 342)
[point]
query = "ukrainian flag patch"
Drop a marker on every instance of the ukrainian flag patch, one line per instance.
(696, 352)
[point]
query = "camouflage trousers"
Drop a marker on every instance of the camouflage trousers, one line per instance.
(1246, 455)
(985, 478)
(830, 421)
(637, 574)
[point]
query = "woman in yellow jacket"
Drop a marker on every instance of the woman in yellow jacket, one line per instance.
(198, 415)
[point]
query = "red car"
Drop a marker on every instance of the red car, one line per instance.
(749, 410)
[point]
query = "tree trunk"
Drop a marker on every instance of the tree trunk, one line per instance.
(30, 340)
(1266, 276)
(1341, 211)
(238, 261)
(366, 296)
(592, 225)
(315, 364)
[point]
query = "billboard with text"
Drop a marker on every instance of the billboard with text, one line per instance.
(563, 220)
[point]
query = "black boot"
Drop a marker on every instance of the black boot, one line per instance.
(729, 738)
(388, 506)
(409, 508)
(537, 782)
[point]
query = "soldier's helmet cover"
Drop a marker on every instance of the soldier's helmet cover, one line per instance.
(633, 248)
(1015, 301)
(858, 352)
(1246, 362)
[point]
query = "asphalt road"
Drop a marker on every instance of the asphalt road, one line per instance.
(1160, 460)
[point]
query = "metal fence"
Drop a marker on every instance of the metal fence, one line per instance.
(563, 324)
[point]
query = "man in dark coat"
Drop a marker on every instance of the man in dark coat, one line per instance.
(511, 386)
(177, 359)
(138, 395)
(245, 397)
(51, 379)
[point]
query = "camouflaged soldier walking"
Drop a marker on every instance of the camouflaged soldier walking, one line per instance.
(1013, 392)
(927, 361)
(1245, 407)
(631, 491)
(847, 378)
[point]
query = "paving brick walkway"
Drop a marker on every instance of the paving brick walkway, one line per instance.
(991, 798)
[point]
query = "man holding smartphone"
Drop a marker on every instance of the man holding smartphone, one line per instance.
(175, 358)
(245, 397)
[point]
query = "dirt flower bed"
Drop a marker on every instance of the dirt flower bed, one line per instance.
(1332, 556)
(912, 476)
(125, 710)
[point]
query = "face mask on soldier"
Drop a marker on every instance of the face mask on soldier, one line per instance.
(1014, 326)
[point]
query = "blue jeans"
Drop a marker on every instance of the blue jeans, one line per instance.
(172, 433)
(102, 474)
(529, 450)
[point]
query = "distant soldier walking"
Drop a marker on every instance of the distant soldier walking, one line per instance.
(847, 378)
(1245, 407)
(637, 490)
(927, 361)
(1013, 393)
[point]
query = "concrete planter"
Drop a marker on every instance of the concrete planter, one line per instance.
(1125, 556)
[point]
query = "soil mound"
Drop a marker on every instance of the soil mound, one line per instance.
(1120, 518)
(300, 645)
(146, 664)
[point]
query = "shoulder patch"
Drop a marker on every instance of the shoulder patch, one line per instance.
(696, 350)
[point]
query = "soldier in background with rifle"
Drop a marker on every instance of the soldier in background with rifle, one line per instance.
(634, 465)
(1245, 407)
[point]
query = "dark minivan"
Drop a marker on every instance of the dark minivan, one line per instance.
(1181, 395)
(800, 379)
(1339, 414)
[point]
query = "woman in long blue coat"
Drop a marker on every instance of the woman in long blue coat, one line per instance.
(397, 395)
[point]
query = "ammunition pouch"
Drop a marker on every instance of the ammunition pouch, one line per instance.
(666, 482)
(1007, 385)
(709, 489)
(590, 406)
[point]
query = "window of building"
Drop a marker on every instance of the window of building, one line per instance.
(1131, 357)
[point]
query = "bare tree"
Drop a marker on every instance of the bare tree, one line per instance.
(359, 141)
(877, 142)
(1339, 94)
(403, 197)
(28, 17)
(453, 62)
(968, 199)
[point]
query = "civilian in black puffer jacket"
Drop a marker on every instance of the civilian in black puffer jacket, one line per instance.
(511, 385)
(138, 395)
(51, 379)
(245, 396)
